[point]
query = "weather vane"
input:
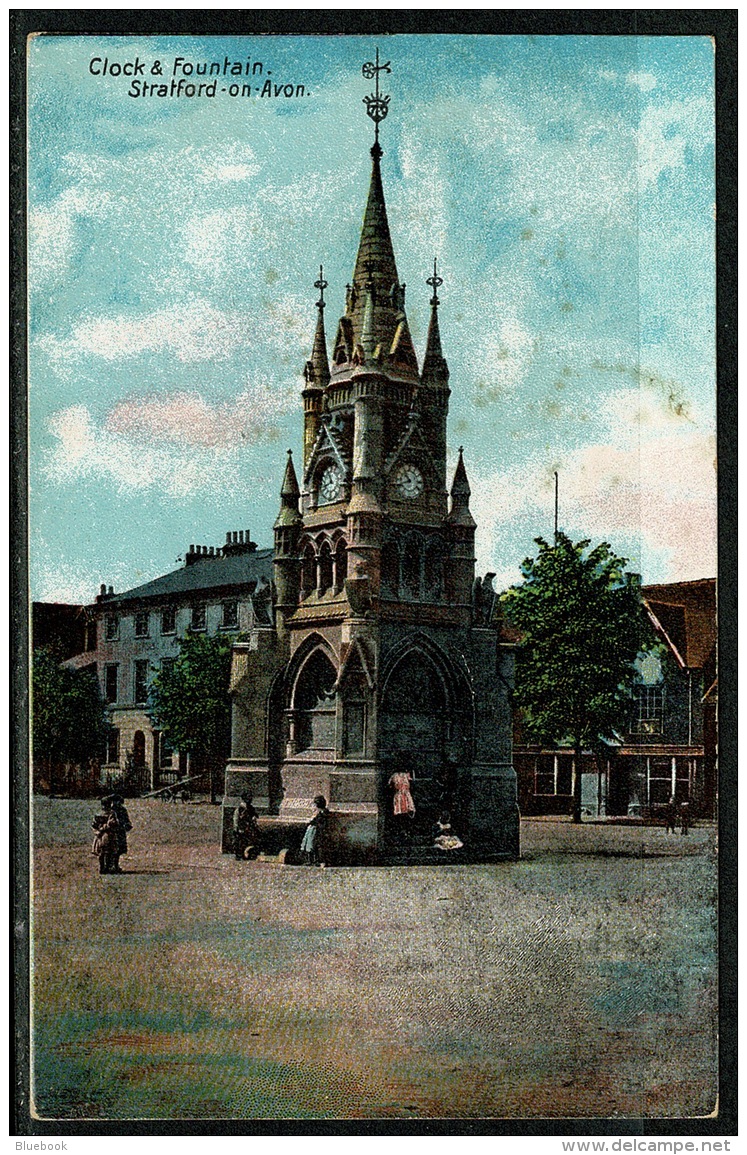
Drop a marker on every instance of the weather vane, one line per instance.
(435, 281)
(321, 285)
(377, 106)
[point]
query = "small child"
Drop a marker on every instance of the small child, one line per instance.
(105, 839)
(443, 835)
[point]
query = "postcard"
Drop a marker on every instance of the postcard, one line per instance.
(373, 536)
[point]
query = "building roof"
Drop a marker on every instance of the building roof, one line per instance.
(204, 575)
(685, 614)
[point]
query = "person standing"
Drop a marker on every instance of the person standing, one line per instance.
(105, 837)
(245, 828)
(124, 826)
(671, 815)
(313, 844)
(685, 817)
(403, 804)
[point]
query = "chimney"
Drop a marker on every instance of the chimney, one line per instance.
(102, 591)
(111, 591)
(228, 538)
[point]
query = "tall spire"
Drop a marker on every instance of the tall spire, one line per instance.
(375, 307)
(435, 369)
(317, 369)
(460, 495)
(289, 495)
(375, 251)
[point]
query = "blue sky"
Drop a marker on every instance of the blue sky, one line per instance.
(565, 185)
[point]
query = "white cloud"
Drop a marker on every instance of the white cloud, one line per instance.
(646, 81)
(651, 481)
(154, 444)
(187, 418)
(665, 131)
(189, 332)
(51, 234)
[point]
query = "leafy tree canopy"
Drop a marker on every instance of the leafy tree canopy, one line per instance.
(190, 697)
(583, 625)
(68, 715)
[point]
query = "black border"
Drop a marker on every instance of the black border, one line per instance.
(721, 25)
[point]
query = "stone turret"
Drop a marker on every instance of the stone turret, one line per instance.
(462, 526)
(288, 525)
(316, 376)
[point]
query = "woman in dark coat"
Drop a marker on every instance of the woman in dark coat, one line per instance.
(124, 826)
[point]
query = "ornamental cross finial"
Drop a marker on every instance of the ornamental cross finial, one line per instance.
(435, 281)
(321, 285)
(377, 105)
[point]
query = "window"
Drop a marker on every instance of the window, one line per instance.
(553, 774)
(198, 617)
(648, 714)
(230, 615)
(92, 635)
(112, 627)
(141, 681)
(111, 683)
(112, 746)
(168, 620)
(142, 623)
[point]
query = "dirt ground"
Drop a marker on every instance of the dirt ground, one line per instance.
(580, 981)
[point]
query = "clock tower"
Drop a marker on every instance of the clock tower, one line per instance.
(385, 657)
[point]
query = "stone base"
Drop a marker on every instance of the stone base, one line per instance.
(489, 829)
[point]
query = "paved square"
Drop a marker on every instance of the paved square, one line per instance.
(580, 981)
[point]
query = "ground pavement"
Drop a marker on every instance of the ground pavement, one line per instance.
(580, 981)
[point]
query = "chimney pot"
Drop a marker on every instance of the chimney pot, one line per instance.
(235, 537)
(111, 589)
(241, 536)
(191, 549)
(102, 591)
(228, 538)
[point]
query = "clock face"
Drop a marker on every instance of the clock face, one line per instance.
(408, 481)
(330, 484)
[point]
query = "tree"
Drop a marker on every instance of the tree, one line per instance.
(68, 715)
(583, 625)
(190, 699)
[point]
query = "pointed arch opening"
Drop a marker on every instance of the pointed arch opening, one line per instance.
(341, 563)
(308, 571)
(326, 569)
(434, 570)
(313, 703)
(411, 568)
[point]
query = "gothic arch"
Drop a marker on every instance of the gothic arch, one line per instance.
(326, 575)
(309, 645)
(454, 676)
(308, 568)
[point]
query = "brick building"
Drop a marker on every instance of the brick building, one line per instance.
(668, 745)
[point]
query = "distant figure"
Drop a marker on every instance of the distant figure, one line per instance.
(245, 829)
(313, 843)
(105, 837)
(685, 817)
(124, 826)
(443, 835)
(671, 815)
